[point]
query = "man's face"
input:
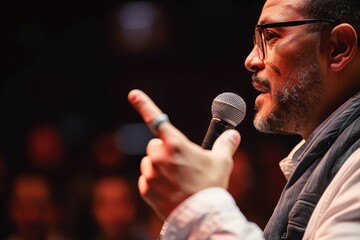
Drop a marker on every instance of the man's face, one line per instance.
(32, 210)
(113, 206)
(289, 77)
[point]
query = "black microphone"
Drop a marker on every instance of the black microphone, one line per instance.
(228, 110)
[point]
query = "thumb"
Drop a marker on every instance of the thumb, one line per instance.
(227, 143)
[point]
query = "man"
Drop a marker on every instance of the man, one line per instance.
(114, 208)
(306, 65)
(32, 210)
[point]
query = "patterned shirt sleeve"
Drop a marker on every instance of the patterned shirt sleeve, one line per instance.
(209, 214)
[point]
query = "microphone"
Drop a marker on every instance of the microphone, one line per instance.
(228, 110)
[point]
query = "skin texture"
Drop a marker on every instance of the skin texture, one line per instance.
(305, 76)
(290, 77)
(296, 79)
(168, 176)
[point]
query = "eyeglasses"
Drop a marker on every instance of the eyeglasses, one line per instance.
(260, 35)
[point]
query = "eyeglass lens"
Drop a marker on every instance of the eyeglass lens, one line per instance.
(259, 42)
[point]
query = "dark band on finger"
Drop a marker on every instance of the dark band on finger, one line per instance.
(158, 121)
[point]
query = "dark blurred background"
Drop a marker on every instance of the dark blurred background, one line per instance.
(66, 69)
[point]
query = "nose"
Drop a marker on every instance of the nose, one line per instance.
(253, 62)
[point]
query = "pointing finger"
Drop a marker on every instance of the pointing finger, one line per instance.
(153, 116)
(144, 105)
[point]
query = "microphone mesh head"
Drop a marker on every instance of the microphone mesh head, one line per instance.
(229, 107)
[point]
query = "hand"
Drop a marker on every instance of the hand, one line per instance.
(175, 168)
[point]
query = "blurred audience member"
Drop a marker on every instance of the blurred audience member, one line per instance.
(153, 226)
(243, 187)
(104, 156)
(45, 146)
(114, 209)
(32, 209)
(106, 150)
(242, 178)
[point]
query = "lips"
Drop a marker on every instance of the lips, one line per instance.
(262, 86)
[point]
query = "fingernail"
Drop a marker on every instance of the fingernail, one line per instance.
(134, 96)
(232, 136)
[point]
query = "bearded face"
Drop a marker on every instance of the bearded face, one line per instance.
(287, 107)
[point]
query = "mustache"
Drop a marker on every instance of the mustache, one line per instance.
(260, 84)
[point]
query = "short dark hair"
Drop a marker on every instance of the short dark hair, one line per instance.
(342, 11)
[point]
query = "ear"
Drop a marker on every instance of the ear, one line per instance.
(344, 44)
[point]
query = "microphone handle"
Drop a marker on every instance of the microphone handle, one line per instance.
(216, 128)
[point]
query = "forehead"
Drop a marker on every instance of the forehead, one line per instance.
(281, 10)
(111, 187)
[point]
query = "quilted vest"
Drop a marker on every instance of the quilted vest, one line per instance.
(318, 160)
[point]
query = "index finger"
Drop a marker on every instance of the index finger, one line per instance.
(144, 105)
(154, 118)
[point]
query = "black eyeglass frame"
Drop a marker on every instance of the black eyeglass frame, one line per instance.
(260, 41)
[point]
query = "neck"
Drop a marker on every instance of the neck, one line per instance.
(324, 113)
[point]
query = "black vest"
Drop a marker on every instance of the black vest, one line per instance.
(319, 159)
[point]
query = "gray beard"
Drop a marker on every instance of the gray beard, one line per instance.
(293, 103)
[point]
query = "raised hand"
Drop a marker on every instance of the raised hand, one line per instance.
(174, 167)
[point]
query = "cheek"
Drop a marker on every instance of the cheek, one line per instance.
(289, 59)
(282, 72)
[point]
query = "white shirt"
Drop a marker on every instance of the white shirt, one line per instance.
(213, 214)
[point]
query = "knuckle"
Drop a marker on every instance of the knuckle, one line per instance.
(174, 144)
